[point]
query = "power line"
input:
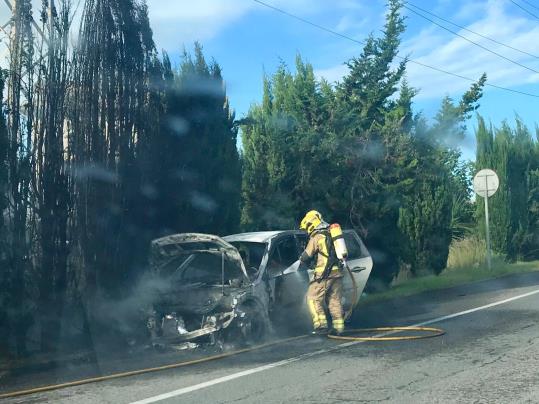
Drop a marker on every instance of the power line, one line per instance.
(530, 4)
(397, 56)
(525, 9)
(473, 32)
(472, 42)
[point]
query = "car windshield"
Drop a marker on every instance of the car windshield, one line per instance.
(204, 267)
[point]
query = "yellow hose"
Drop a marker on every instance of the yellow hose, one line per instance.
(143, 371)
(430, 332)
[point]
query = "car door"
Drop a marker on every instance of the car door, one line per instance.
(291, 284)
(360, 263)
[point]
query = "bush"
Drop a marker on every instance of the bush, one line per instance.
(469, 252)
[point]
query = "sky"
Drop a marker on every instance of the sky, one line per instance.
(249, 40)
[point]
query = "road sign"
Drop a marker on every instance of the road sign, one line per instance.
(486, 183)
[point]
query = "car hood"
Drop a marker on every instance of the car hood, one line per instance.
(165, 248)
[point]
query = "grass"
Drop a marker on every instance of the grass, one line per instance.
(465, 265)
(451, 278)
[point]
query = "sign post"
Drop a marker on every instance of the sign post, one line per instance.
(485, 184)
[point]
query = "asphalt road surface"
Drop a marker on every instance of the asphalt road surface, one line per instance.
(490, 353)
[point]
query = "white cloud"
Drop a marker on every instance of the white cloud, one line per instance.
(349, 23)
(344, 24)
(332, 74)
(433, 46)
(462, 57)
(183, 21)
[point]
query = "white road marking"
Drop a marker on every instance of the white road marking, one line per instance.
(259, 369)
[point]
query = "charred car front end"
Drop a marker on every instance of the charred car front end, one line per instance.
(203, 291)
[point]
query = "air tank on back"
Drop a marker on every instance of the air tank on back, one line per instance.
(338, 241)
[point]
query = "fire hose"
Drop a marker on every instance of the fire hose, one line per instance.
(387, 332)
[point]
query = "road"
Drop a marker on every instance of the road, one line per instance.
(489, 354)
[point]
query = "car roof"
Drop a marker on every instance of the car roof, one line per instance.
(259, 236)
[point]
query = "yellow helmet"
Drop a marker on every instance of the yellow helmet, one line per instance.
(311, 220)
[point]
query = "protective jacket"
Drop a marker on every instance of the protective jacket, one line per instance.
(321, 245)
(327, 284)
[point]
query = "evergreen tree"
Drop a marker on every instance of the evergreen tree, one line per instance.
(20, 96)
(106, 119)
(52, 197)
(500, 203)
(197, 164)
(428, 214)
(512, 154)
(518, 182)
(283, 142)
(372, 145)
(4, 230)
(365, 93)
(530, 249)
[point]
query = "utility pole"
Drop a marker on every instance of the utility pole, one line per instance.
(487, 226)
(11, 7)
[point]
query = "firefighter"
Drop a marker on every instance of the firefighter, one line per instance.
(327, 281)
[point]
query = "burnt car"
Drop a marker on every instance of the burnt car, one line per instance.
(229, 288)
(203, 289)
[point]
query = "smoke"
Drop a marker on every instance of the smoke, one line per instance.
(127, 316)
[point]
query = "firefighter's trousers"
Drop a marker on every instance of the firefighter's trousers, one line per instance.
(329, 290)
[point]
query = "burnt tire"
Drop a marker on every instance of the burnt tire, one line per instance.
(253, 327)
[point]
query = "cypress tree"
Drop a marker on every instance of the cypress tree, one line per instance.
(439, 197)
(20, 95)
(519, 189)
(500, 203)
(198, 165)
(283, 143)
(530, 248)
(512, 154)
(4, 230)
(107, 118)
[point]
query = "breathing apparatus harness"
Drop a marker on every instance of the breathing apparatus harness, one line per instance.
(331, 256)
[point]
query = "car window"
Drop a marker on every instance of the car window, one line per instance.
(302, 240)
(354, 246)
(288, 251)
(274, 267)
(251, 253)
(283, 255)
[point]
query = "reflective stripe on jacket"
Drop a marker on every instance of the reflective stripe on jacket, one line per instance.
(317, 246)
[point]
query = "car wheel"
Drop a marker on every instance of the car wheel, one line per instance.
(253, 324)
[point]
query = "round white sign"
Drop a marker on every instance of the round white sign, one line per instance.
(486, 183)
